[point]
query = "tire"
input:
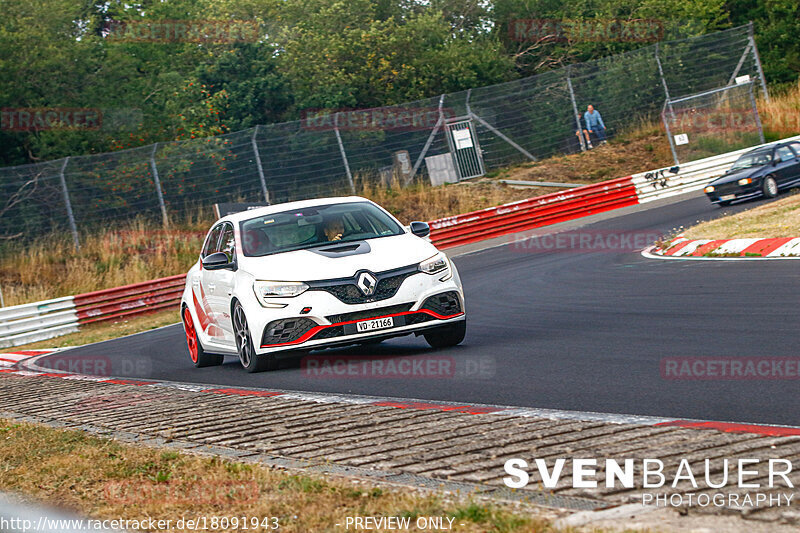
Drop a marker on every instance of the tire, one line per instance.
(724, 204)
(769, 187)
(196, 352)
(446, 336)
(251, 361)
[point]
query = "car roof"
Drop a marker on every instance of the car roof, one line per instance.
(288, 206)
(770, 147)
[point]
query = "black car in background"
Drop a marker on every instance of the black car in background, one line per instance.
(761, 172)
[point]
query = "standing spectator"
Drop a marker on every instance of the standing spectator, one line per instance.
(594, 125)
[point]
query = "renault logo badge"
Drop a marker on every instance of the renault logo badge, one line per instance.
(367, 283)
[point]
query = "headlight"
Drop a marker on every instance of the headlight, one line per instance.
(710, 188)
(434, 265)
(278, 289)
(745, 181)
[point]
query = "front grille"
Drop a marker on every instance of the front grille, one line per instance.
(347, 291)
(286, 330)
(328, 333)
(417, 318)
(727, 188)
(445, 304)
(370, 313)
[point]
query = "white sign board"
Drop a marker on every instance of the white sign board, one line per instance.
(681, 138)
(742, 79)
(441, 169)
(462, 139)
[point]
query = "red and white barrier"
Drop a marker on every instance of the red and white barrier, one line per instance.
(22, 324)
(533, 213)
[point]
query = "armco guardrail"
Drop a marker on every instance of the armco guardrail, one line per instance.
(39, 321)
(533, 213)
(693, 176)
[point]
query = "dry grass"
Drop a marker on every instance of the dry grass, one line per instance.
(420, 201)
(50, 267)
(781, 116)
(780, 218)
(104, 479)
(107, 330)
(643, 147)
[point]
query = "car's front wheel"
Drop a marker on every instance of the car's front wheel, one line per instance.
(446, 336)
(251, 361)
(199, 356)
(770, 187)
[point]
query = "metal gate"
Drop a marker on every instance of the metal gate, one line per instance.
(464, 148)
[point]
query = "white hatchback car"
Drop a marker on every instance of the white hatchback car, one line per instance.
(314, 274)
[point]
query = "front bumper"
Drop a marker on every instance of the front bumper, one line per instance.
(733, 192)
(419, 301)
(435, 309)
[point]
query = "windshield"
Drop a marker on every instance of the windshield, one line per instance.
(315, 226)
(752, 160)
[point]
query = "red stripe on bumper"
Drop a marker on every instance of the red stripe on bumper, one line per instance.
(730, 427)
(313, 331)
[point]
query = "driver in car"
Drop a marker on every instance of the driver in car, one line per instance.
(334, 228)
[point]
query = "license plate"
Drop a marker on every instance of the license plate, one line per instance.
(727, 197)
(372, 325)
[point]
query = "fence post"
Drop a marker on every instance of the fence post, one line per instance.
(669, 133)
(68, 205)
(739, 64)
(575, 109)
(258, 164)
(758, 60)
(755, 111)
(158, 186)
(429, 141)
(344, 154)
(663, 80)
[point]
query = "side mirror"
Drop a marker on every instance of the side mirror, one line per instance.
(216, 261)
(420, 229)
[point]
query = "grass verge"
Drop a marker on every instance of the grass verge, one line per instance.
(106, 479)
(780, 218)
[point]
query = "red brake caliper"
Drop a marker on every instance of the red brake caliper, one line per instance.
(191, 334)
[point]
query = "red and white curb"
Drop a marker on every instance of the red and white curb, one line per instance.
(8, 360)
(27, 367)
(727, 249)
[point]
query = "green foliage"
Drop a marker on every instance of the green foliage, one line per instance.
(313, 54)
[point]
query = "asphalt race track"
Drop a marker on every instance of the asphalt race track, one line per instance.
(565, 329)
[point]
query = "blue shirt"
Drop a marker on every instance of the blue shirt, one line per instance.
(593, 119)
